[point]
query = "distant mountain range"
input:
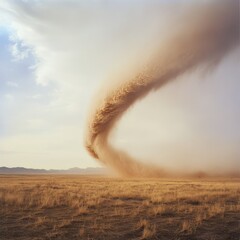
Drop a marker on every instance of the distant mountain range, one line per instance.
(75, 170)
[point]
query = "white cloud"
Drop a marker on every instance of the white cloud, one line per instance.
(18, 51)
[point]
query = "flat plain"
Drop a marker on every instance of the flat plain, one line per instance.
(95, 207)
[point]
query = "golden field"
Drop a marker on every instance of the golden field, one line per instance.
(95, 207)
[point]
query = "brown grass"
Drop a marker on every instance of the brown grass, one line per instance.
(148, 229)
(78, 207)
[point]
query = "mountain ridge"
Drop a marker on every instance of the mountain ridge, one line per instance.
(74, 170)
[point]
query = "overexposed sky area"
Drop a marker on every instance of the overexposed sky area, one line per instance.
(55, 55)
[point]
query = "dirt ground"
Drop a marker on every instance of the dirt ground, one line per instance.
(95, 207)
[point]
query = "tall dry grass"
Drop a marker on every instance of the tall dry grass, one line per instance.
(100, 206)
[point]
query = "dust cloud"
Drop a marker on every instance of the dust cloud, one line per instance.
(209, 32)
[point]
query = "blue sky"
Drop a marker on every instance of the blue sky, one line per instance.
(55, 55)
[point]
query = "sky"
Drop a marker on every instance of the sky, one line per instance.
(54, 57)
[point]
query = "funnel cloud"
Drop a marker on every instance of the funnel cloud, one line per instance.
(210, 31)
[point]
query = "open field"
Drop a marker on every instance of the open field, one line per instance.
(84, 207)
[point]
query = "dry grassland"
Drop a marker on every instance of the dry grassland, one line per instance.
(84, 207)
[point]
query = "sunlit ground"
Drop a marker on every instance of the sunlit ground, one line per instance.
(84, 207)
